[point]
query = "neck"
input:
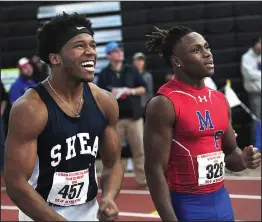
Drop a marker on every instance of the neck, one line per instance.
(117, 65)
(68, 88)
(197, 83)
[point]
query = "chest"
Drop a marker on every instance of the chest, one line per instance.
(66, 138)
(201, 115)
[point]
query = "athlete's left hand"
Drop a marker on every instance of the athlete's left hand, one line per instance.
(251, 157)
(108, 210)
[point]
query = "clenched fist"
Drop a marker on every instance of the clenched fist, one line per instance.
(108, 210)
(251, 157)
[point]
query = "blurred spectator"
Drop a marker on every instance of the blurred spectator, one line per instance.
(23, 82)
(127, 85)
(139, 61)
(251, 71)
(40, 69)
(3, 99)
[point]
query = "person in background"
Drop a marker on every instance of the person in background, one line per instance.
(40, 69)
(139, 61)
(127, 85)
(23, 82)
(3, 99)
(251, 72)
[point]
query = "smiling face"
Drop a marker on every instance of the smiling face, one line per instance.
(192, 53)
(78, 57)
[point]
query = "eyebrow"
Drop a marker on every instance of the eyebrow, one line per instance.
(82, 41)
(206, 43)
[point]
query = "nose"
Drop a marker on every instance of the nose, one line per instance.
(90, 51)
(207, 53)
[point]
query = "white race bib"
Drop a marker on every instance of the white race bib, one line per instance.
(211, 168)
(69, 188)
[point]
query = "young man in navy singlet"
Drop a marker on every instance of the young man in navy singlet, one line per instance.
(188, 137)
(56, 129)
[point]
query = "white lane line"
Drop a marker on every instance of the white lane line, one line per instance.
(145, 192)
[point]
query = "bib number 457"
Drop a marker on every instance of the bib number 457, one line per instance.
(71, 191)
(215, 170)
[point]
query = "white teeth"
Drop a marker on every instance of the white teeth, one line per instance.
(88, 63)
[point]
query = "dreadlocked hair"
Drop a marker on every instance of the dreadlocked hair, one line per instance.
(162, 41)
(47, 34)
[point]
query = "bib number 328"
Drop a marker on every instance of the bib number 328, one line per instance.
(211, 168)
(214, 170)
(69, 188)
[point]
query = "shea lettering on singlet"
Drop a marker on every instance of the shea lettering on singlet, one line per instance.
(70, 188)
(71, 151)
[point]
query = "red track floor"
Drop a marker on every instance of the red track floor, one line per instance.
(136, 205)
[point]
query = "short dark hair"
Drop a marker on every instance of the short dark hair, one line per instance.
(163, 41)
(47, 34)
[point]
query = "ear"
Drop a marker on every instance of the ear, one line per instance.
(55, 59)
(175, 61)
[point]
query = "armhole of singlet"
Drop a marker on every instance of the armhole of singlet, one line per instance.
(42, 92)
(87, 87)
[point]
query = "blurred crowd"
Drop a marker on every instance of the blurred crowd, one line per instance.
(123, 79)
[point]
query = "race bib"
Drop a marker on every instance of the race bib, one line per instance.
(211, 168)
(69, 188)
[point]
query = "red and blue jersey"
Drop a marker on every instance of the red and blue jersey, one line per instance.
(196, 163)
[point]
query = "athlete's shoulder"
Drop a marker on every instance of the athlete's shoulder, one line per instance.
(30, 100)
(29, 109)
(219, 94)
(105, 100)
(100, 93)
(168, 87)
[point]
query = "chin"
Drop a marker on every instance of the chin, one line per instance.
(86, 78)
(210, 73)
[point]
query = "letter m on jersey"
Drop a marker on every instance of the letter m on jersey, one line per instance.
(204, 122)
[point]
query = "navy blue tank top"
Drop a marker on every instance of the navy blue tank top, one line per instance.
(68, 145)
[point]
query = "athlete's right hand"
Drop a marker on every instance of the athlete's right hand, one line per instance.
(251, 157)
(108, 210)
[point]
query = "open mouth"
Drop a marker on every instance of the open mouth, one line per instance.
(88, 65)
(209, 64)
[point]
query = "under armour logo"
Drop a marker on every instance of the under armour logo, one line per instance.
(201, 99)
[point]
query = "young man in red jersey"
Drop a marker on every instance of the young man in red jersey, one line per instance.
(188, 137)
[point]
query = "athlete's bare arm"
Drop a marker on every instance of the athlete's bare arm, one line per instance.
(158, 135)
(233, 154)
(109, 147)
(28, 118)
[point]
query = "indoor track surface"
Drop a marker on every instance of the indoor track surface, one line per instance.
(137, 205)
